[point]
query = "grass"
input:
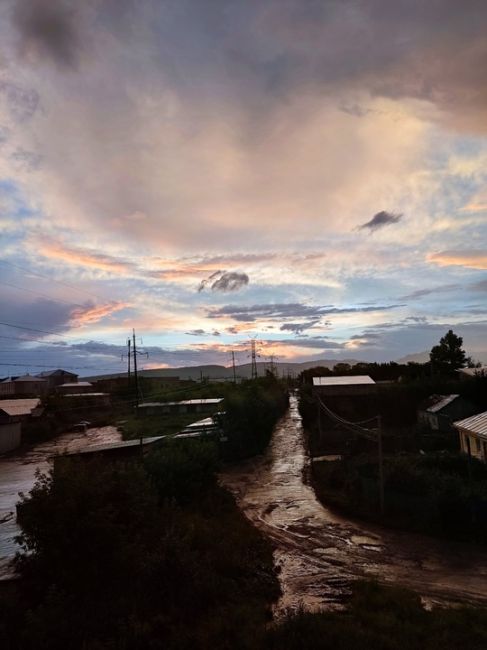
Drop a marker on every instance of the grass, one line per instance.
(157, 425)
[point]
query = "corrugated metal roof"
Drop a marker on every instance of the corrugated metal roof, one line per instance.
(184, 402)
(441, 402)
(75, 383)
(351, 380)
(19, 406)
(114, 445)
(476, 424)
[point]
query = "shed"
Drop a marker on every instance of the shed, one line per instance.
(345, 385)
(473, 435)
(116, 450)
(184, 406)
(440, 411)
(10, 432)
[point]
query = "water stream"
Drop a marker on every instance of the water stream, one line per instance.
(320, 553)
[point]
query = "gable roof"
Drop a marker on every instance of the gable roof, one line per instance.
(59, 371)
(351, 380)
(436, 403)
(475, 424)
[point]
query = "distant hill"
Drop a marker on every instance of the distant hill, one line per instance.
(223, 372)
(417, 357)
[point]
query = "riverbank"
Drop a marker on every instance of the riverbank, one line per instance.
(321, 553)
(439, 494)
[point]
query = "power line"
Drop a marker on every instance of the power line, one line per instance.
(45, 277)
(43, 295)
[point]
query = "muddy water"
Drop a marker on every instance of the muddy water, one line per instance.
(17, 474)
(319, 553)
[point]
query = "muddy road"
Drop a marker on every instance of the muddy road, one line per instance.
(17, 474)
(320, 553)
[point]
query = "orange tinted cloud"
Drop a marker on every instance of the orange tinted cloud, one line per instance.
(56, 250)
(470, 259)
(93, 314)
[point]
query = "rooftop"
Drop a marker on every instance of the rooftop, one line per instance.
(92, 449)
(29, 378)
(19, 406)
(75, 383)
(352, 380)
(438, 402)
(474, 372)
(476, 424)
(184, 402)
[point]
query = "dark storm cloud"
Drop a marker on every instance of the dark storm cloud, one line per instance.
(426, 292)
(201, 332)
(48, 28)
(250, 313)
(379, 220)
(224, 281)
(298, 328)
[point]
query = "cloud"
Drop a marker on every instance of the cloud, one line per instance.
(480, 286)
(202, 332)
(94, 313)
(225, 281)
(433, 290)
(298, 328)
(472, 259)
(380, 220)
(71, 255)
(278, 311)
(47, 28)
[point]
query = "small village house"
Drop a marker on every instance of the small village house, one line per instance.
(439, 412)
(183, 406)
(473, 435)
(57, 377)
(344, 386)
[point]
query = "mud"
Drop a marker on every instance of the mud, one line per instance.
(319, 553)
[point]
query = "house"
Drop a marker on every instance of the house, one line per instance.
(13, 414)
(10, 432)
(22, 408)
(469, 373)
(87, 400)
(439, 412)
(184, 406)
(7, 386)
(57, 377)
(75, 388)
(473, 435)
(29, 385)
(344, 385)
(115, 450)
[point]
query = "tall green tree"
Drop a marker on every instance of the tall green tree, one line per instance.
(449, 355)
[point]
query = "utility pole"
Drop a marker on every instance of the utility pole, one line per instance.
(135, 374)
(233, 366)
(128, 362)
(254, 359)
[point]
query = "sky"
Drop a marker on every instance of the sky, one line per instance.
(308, 173)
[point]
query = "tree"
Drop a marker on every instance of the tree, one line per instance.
(449, 355)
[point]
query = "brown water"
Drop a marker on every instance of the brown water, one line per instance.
(17, 474)
(320, 553)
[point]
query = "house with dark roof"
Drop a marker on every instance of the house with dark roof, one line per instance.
(57, 377)
(439, 412)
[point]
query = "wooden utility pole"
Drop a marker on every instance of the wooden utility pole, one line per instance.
(135, 374)
(254, 359)
(128, 362)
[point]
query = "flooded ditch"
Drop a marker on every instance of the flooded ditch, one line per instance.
(320, 553)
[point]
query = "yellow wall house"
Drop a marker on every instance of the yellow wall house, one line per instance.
(473, 435)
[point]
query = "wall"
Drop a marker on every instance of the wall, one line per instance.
(10, 434)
